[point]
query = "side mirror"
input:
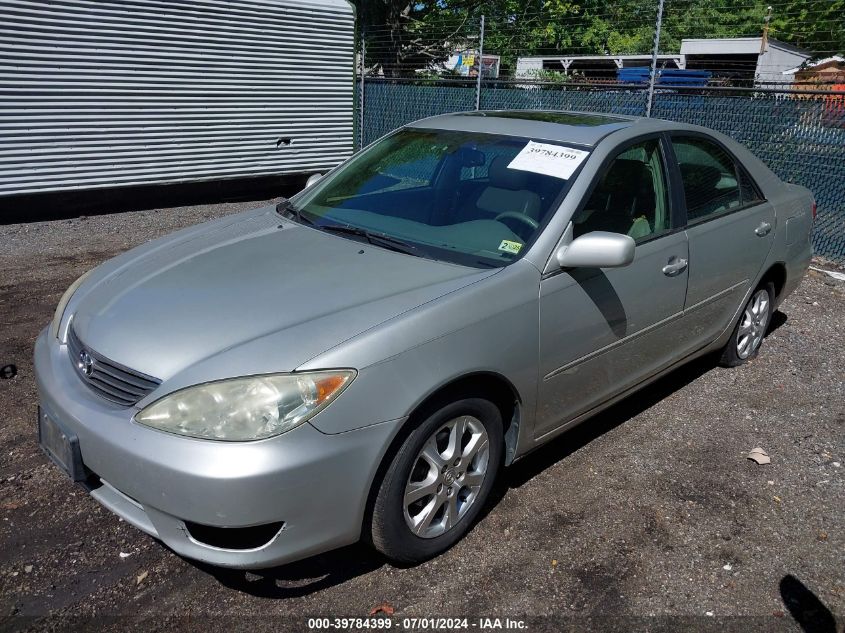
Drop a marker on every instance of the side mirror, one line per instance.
(312, 180)
(599, 249)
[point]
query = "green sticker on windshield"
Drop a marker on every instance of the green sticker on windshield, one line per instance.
(510, 247)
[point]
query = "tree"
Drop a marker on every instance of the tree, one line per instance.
(817, 25)
(710, 18)
(403, 35)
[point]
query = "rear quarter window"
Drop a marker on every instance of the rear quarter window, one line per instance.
(750, 193)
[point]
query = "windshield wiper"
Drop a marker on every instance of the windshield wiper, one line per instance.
(376, 239)
(287, 209)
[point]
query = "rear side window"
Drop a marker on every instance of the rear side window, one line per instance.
(709, 176)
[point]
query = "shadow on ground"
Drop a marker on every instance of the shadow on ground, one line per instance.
(577, 438)
(302, 577)
(70, 204)
(805, 608)
(333, 568)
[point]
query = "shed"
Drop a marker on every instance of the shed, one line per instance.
(821, 74)
(747, 60)
(591, 67)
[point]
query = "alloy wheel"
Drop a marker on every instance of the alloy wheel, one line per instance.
(753, 325)
(446, 477)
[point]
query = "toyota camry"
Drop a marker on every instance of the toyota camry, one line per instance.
(361, 360)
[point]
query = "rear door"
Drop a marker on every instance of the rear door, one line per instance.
(730, 229)
(604, 330)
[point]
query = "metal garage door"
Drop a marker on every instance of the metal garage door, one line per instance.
(115, 93)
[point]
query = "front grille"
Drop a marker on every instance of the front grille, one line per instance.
(108, 379)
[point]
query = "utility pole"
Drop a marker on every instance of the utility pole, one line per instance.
(764, 41)
(480, 66)
(361, 89)
(764, 46)
(653, 75)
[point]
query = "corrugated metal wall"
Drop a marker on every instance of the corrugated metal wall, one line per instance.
(127, 92)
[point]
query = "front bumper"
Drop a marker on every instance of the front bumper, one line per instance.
(316, 484)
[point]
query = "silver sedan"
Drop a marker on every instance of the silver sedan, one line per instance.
(361, 360)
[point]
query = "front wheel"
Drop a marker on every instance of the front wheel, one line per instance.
(748, 334)
(438, 481)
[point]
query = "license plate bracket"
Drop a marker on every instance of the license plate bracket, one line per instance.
(61, 446)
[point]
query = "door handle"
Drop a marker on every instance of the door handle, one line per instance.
(675, 266)
(763, 229)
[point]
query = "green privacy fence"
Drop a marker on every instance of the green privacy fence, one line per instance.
(388, 106)
(800, 137)
(801, 140)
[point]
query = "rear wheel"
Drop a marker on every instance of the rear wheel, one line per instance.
(438, 481)
(748, 334)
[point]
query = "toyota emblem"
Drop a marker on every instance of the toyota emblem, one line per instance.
(85, 363)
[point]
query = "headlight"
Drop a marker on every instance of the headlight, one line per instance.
(60, 309)
(249, 408)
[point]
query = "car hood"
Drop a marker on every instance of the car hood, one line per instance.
(300, 290)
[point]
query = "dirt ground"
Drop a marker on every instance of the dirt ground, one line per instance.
(648, 517)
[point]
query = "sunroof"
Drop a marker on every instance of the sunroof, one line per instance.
(564, 118)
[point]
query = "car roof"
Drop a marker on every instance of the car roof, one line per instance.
(579, 128)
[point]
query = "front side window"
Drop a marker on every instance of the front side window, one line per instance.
(452, 195)
(631, 196)
(709, 177)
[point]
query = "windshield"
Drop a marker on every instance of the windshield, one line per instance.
(473, 199)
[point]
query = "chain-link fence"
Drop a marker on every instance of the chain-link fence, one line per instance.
(772, 77)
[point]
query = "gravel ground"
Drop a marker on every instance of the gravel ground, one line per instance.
(648, 517)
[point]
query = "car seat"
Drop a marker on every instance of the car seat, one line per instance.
(623, 202)
(701, 189)
(509, 190)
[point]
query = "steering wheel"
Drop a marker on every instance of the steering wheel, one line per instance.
(522, 218)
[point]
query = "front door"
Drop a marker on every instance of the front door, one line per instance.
(604, 330)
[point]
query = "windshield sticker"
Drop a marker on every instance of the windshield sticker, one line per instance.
(550, 160)
(510, 247)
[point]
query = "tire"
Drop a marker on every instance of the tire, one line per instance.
(750, 329)
(452, 487)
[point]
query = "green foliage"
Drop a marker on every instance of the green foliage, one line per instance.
(402, 36)
(710, 18)
(549, 76)
(415, 34)
(818, 25)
